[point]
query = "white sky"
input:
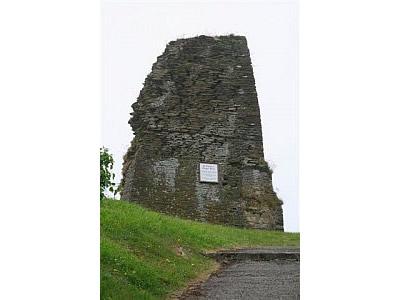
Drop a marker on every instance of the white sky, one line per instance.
(134, 34)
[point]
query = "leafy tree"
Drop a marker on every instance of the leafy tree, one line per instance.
(106, 174)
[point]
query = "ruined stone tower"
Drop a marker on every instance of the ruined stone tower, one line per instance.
(198, 150)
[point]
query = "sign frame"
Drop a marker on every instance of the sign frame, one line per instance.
(206, 180)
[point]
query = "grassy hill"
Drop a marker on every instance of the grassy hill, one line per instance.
(146, 255)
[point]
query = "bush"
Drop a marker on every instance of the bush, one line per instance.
(106, 174)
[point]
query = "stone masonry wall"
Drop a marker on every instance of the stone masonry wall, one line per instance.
(199, 105)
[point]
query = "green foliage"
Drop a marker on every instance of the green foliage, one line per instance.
(138, 249)
(106, 174)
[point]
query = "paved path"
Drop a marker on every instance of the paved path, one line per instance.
(252, 279)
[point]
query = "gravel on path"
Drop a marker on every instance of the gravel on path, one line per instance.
(248, 279)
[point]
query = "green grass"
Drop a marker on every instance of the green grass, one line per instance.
(138, 250)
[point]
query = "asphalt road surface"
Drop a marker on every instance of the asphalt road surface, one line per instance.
(248, 279)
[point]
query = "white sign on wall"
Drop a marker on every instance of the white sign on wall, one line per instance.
(208, 173)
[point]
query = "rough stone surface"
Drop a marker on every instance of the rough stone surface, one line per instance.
(256, 254)
(199, 104)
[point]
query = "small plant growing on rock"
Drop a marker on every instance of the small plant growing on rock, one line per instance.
(106, 174)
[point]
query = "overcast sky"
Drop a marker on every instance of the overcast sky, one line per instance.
(134, 34)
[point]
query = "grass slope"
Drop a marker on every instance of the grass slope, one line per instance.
(139, 256)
